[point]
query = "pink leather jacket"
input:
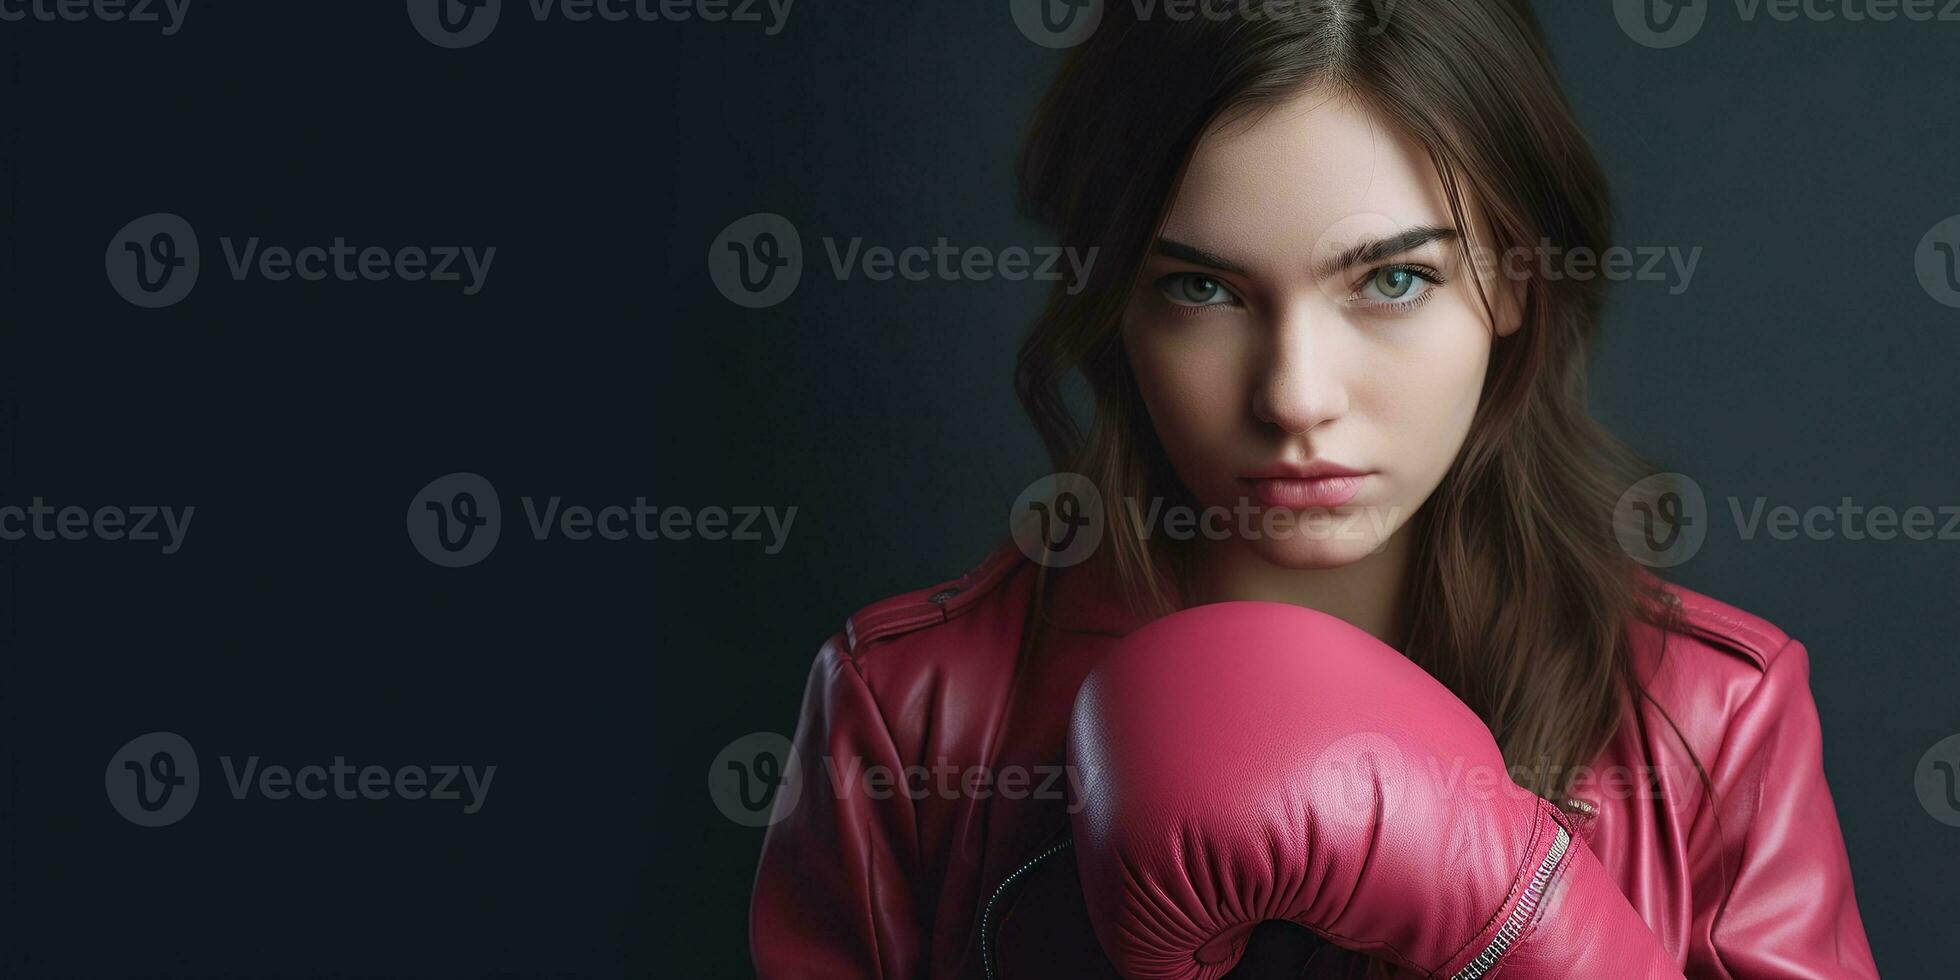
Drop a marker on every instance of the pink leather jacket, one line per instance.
(927, 833)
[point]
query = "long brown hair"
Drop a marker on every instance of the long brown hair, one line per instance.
(1520, 594)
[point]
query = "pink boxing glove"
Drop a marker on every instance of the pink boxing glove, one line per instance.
(1248, 761)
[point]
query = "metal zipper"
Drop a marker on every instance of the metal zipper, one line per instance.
(986, 917)
(1520, 915)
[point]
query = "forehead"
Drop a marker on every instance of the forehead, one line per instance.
(1304, 178)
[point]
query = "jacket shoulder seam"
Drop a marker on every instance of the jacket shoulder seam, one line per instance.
(921, 608)
(1726, 628)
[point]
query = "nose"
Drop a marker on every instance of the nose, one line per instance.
(1299, 384)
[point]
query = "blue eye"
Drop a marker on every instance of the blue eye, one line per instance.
(1194, 289)
(1398, 285)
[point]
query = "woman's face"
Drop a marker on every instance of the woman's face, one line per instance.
(1305, 308)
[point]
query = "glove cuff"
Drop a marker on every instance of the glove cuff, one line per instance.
(1552, 839)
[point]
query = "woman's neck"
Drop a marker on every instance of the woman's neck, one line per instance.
(1366, 592)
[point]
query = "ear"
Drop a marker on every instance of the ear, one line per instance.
(1502, 281)
(1505, 285)
(1507, 302)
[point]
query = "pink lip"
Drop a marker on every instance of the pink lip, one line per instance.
(1316, 483)
(1312, 469)
(1297, 494)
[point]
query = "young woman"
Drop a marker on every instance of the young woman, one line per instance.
(1320, 314)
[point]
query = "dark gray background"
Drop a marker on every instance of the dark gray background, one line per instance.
(1805, 364)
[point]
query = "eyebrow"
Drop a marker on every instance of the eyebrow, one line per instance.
(1365, 253)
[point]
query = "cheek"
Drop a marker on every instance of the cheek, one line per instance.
(1193, 386)
(1424, 394)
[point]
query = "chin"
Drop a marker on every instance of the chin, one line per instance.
(1306, 552)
